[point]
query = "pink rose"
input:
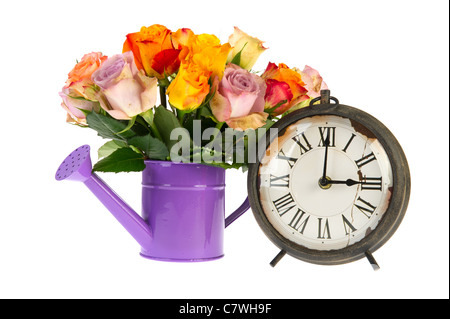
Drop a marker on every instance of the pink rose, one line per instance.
(313, 81)
(124, 90)
(239, 99)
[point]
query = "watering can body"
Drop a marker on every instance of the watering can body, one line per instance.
(184, 204)
(183, 207)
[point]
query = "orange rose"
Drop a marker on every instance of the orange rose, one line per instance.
(79, 81)
(182, 38)
(282, 73)
(190, 87)
(153, 50)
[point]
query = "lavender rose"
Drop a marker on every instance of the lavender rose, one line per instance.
(239, 99)
(124, 90)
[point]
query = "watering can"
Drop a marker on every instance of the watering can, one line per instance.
(183, 207)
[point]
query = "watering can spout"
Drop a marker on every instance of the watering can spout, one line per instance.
(78, 167)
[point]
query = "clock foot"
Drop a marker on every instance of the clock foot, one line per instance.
(372, 260)
(277, 258)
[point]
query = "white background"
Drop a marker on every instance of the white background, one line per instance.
(389, 58)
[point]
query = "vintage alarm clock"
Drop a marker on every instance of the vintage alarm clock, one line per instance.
(332, 186)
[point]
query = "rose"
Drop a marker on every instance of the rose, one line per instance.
(278, 94)
(79, 80)
(249, 47)
(283, 74)
(189, 88)
(124, 90)
(206, 51)
(239, 99)
(78, 94)
(313, 81)
(74, 107)
(202, 56)
(153, 50)
(181, 38)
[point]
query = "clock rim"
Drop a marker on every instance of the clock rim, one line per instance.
(391, 219)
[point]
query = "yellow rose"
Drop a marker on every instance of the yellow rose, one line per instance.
(213, 58)
(206, 51)
(202, 57)
(189, 88)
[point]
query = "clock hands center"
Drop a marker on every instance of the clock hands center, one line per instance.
(325, 182)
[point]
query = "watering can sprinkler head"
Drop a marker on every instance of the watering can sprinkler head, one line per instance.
(78, 167)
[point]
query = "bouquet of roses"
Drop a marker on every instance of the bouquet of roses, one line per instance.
(209, 98)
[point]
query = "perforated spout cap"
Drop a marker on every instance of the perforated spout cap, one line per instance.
(77, 166)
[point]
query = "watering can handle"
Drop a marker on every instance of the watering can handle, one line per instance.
(238, 212)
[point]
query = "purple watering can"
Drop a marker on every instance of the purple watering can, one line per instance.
(183, 207)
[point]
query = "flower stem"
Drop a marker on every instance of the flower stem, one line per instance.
(162, 94)
(218, 127)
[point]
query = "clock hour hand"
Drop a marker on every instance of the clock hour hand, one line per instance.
(348, 182)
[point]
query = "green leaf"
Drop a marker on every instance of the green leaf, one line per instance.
(229, 166)
(150, 146)
(165, 121)
(237, 58)
(298, 106)
(148, 116)
(266, 126)
(121, 160)
(129, 126)
(205, 111)
(109, 147)
(85, 112)
(271, 110)
(108, 127)
(81, 98)
(164, 82)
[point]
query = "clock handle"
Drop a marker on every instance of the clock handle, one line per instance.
(324, 98)
(237, 213)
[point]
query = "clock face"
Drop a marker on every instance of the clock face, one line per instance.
(326, 182)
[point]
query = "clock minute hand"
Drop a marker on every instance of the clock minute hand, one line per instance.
(324, 180)
(348, 182)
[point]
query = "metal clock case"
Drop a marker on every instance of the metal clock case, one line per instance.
(332, 186)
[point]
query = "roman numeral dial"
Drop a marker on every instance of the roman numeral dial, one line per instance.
(299, 221)
(303, 143)
(290, 160)
(365, 160)
(328, 184)
(284, 204)
(279, 181)
(327, 133)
